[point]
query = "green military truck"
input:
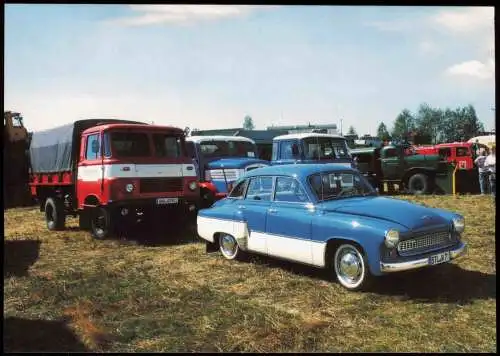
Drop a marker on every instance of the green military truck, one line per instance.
(400, 164)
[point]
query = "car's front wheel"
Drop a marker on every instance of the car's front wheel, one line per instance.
(228, 246)
(351, 267)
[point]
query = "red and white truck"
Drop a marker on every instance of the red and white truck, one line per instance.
(105, 171)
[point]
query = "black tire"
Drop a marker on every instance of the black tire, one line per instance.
(418, 184)
(207, 199)
(84, 220)
(55, 215)
(101, 223)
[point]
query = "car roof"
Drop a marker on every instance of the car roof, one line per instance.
(297, 170)
(305, 135)
(199, 139)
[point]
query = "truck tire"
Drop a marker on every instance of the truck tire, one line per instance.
(84, 220)
(101, 223)
(54, 214)
(418, 184)
(207, 198)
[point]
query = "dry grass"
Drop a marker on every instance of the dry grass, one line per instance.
(127, 296)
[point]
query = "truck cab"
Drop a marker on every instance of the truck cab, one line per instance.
(311, 148)
(220, 161)
(111, 172)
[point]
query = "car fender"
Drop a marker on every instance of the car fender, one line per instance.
(209, 227)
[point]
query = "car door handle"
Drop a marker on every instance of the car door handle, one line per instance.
(242, 207)
(272, 211)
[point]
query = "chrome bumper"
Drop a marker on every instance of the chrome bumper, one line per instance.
(404, 266)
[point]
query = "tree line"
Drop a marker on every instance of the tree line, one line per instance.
(429, 125)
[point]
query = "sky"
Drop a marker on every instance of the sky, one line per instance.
(208, 66)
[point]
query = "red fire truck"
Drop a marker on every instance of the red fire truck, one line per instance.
(107, 171)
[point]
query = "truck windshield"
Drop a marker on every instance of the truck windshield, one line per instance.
(325, 148)
(167, 146)
(211, 149)
(130, 144)
(335, 185)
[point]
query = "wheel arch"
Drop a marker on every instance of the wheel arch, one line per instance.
(370, 250)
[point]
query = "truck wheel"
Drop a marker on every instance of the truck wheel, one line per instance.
(84, 220)
(100, 223)
(54, 214)
(207, 199)
(418, 184)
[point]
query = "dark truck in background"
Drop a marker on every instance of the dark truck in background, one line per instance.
(400, 164)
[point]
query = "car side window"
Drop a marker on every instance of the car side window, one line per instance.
(238, 191)
(260, 188)
(93, 142)
(289, 190)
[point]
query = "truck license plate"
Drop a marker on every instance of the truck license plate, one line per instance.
(439, 258)
(161, 201)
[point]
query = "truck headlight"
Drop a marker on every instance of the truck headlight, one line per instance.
(193, 185)
(129, 188)
(391, 238)
(459, 224)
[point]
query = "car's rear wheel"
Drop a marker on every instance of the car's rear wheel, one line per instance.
(228, 246)
(351, 267)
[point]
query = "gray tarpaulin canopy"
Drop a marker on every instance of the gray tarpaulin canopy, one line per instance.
(56, 150)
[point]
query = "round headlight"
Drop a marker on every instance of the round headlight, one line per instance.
(193, 185)
(391, 238)
(129, 187)
(459, 224)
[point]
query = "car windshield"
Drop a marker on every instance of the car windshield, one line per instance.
(325, 148)
(335, 185)
(229, 148)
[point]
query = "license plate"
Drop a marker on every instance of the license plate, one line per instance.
(161, 201)
(439, 258)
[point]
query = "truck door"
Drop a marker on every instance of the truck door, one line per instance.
(391, 162)
(90, 169)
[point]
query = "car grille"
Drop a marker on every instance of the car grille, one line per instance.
(158, 185)
(424, 243)
(231, 174)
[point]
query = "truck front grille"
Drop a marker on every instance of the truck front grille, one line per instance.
(159, 185)
(425, 243)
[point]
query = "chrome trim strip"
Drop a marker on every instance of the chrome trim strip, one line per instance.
(404, 266)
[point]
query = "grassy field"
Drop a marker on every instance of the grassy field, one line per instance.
(65, 292)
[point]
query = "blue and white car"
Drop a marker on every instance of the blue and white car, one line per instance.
(221, 160)
(329, 217)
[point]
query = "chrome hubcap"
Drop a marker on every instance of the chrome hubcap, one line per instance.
(228, 244)
(349, 266)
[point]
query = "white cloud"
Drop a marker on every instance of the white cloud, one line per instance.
(474, 69)
(160, 14)
(468, 20)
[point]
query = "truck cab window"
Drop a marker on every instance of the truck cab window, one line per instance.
(130, 144)
(167, 146)
(391, 152)
(92, 142)
(286, 150)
